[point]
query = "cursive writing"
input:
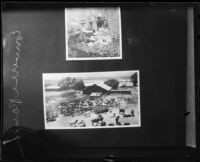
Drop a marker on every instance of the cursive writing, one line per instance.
(15, 101)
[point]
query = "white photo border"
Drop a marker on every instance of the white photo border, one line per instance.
(96, 127)
(93, 58)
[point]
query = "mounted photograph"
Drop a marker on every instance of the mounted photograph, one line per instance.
(91, 100)
(93, 33)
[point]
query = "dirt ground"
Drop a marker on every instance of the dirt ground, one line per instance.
(63, 122)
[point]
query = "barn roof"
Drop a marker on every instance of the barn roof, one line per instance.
(88, 84)
(104, 86)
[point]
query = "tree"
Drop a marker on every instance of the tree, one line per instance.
(112, 83)
(71, 83)
(134, 79)
(67, 83)
(79, 85)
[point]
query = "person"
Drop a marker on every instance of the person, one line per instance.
(91, 24)
(105, 24)
(83, 36)
(100, 21)
(117, 120)
(132, 113)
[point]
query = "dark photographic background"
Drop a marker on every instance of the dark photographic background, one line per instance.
(154, 41)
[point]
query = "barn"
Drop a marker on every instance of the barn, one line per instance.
(94, 95)
(103, 88)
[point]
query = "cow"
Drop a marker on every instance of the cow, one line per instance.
(81, 123)
(102, 123)
(96, 120)
(121, 111)
(127, 115)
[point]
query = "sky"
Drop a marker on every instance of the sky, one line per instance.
(89, 75)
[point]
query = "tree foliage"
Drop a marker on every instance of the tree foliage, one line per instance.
(134, 79)
(79, 85)
(112, 83)
(71, 83)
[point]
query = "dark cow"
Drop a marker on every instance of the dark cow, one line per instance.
(102, 123)
(100, 118)
(127, 115)
(121, 111)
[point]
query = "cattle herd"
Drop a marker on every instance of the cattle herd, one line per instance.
(96, 111)
(79, 107)
(93, 112)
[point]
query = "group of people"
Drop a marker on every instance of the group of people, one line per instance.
(92, 29)
(95, 23)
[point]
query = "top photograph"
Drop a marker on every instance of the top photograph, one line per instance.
(93, 33)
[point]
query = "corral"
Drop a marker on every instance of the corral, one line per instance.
(96, 109)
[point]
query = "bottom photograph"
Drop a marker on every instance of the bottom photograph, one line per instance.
(91, 100)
